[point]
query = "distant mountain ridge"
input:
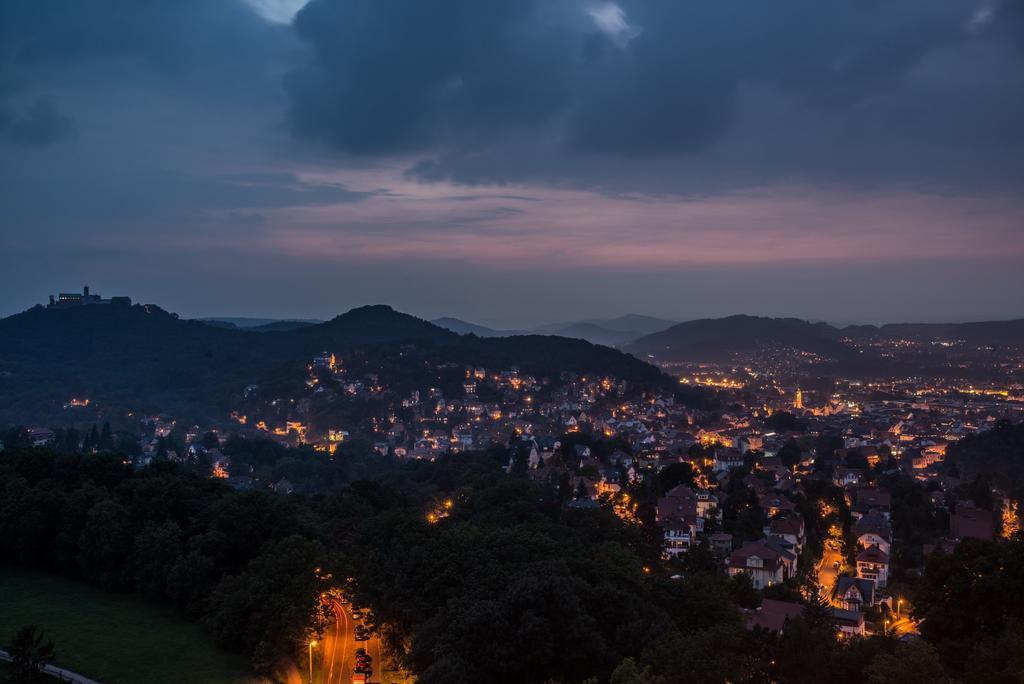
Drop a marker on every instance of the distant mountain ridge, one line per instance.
(611, 332)
(718, 339)
(457, 325)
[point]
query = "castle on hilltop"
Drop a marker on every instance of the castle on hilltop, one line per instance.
(66, 300)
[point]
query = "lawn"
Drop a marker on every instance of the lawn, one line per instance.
(113, 638)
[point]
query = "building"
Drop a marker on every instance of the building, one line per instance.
(765, 565)
(790, 529)
(848, 622)
(679, 534)
(874, 538)
(855, 594)
(969, 521)
(40, 436)
(67, 300)
(873, 564)
(772, 614)
(678, 502)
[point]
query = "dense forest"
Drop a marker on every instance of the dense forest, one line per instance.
(513, 586)
(996, 454)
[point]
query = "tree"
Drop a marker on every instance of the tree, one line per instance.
(915, 662)
(157, 549)
(106, 441)
(803, 651)
(29, 651)
(784, 421)
(675, 474)
(210, 440)
(741, 588)
(92, 441)
(723, 653)
(789, 454)
(629, 672)
(265, 610)
(970, 598)
(105, 546)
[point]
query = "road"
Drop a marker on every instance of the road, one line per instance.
(902, 626)
(58, 672)
(827, 572)
(338, 649)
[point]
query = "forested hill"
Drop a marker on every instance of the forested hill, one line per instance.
(717, 339)
(720, 339)
(147, 359)
(996, 455)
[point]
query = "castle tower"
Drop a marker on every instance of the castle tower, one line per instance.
(798, 400)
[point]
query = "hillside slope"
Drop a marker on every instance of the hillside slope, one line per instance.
(717, 339)
(146, 359)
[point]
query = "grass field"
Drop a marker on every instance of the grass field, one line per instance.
(113, 638)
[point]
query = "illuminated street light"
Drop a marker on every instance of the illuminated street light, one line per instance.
(312, 643)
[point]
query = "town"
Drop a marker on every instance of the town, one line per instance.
(798, 492)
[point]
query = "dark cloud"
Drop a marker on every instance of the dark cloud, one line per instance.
(391, 76)
(602, 93)
(209, 48)
(162, 199)
(199, 40)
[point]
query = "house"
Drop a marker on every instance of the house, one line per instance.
(40, 436)
(874, 538)
(788, 553)
(869, 499)
(727, 459)
(969, 521)
(790, 528)
(855, 594)
(845, 477)
(773, 505)
(848, 622)
(721, 542)
(679, 534)
(772, 614)
(747, 443)
(873, 522)
(873, 564)
(678, 502)
(706, 502)
(583, 503)
(765, 565)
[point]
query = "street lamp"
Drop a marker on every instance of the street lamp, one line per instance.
(898, 604)
(311, 645)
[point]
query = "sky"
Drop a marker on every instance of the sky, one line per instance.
(517, 163)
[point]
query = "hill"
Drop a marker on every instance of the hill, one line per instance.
(457, 325)
(592, 332)
(852, 348)
(243, 322)
(1002, 333)
(634, 323)
(610, 332)
(145, 359)
(718, 339)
